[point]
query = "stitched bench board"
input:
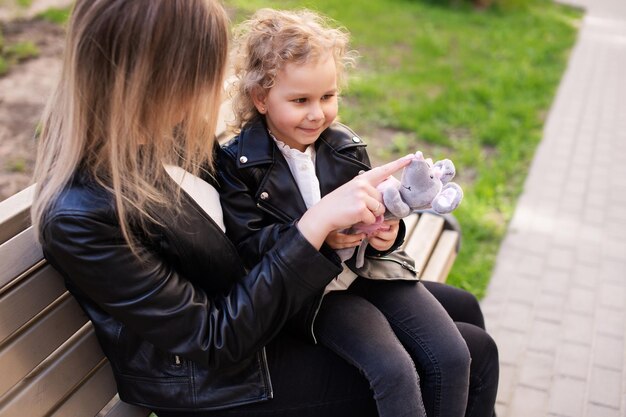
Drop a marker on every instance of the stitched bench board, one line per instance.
(433, 247)
(50, 361)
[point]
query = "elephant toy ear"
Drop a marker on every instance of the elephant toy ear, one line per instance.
(447, 170)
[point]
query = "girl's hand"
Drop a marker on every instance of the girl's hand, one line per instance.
(356, 201)
(384, 238)
(338, 240)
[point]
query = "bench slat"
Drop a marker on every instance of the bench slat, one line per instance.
(28, 299)
(91, 396)
(15, 214)
(423, 240)
(442, 258)
(410, 222)
(18, 254)
(118, 408)
(49, 384)
(42, 337)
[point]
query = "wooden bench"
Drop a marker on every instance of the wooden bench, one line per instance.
(50, 361)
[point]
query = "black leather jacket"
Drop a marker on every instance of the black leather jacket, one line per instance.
(261, 199)
(180, 327)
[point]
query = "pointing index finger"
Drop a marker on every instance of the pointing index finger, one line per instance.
(377, 175)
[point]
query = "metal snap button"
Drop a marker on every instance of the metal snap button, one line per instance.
(243, 159)
(356, 139)
(264, 195)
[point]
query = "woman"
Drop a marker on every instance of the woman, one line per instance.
(138, 237)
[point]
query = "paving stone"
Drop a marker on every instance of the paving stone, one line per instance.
(613, 270)
(544, 337)
(616, 249)
(608, 352)
(615, 213)
(549, 307)
(586, 275)
(605, 387)
(555, 281)
(581, 300)
(577, 328)
(524, 290)
(590, 233)
(598, 410)
(511, 345)
(537, 370)
(611, 296)
(507, 383)
(531, 265)
(567, 397)
(565, 233)
(527, 402)
(594, 213)
(573, 361)
(610, 322)
(517, 316)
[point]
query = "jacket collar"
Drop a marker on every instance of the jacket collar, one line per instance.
(257, 147)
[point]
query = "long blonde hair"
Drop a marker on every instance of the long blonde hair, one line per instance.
(140, 86)
(269, 40)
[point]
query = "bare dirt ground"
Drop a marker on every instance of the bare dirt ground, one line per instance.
(24, 90)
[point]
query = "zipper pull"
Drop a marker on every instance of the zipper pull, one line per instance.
(177, 360)
(406, 265)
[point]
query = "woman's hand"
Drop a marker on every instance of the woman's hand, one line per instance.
(356, 201)
(384, 238)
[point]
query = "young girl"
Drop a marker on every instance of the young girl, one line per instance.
(290, 153)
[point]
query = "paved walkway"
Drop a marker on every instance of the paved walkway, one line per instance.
(556, 304)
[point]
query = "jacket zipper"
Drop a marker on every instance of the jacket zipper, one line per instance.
(274, 213)
(403, 264)
(266, 368)
(317, 310)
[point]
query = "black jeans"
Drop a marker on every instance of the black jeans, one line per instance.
(387, 329)
(312, 381)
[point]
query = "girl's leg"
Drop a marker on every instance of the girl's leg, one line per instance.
(431, 338)
(308, 381)
(465, 310)
(358, 332)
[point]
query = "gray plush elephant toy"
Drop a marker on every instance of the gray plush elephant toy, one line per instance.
(423, 185)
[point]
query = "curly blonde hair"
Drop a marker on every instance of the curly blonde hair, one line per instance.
(268, 41)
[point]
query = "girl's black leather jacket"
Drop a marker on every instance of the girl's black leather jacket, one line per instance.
(261, 201)
(184, 327)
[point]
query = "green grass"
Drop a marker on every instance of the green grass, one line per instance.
(470, 85)
(17, 165)
(16, 52)
(11, 54)
(56, 15)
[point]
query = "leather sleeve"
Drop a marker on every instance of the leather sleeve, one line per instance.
(149, 297)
